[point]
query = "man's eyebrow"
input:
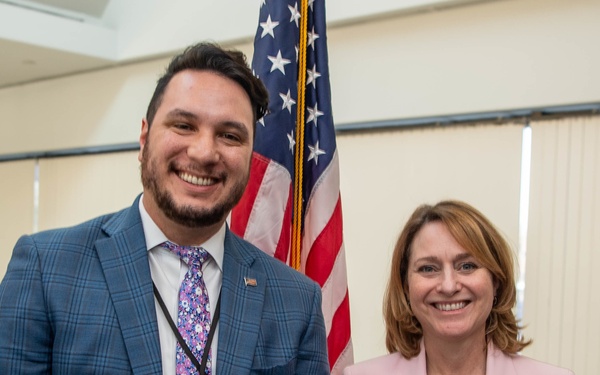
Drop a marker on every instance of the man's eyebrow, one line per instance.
(236, 125)
(179, 114)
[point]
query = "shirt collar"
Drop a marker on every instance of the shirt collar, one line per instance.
(154, 237)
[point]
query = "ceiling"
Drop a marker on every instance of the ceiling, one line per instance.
(22, 61)
(42, 39)
(92, 8)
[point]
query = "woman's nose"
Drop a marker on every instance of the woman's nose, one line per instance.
(449, 283)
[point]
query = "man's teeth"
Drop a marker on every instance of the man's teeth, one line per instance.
(195, 180)
(450, 306)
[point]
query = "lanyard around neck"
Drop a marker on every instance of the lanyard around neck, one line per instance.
(201, 367)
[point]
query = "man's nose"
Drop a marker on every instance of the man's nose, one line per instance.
(204, 149)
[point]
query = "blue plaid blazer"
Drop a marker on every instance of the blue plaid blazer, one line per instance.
(80, 301)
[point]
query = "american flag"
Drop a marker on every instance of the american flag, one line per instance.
(264, 215)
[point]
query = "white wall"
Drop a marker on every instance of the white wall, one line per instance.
(487, 56)
(136, 29)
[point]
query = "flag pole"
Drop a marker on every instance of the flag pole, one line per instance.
(296, 243)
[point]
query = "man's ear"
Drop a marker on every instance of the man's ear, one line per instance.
(143, 137)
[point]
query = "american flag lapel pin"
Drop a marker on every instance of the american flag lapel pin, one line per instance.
(249, 281)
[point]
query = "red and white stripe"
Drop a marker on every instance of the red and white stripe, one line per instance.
(264, 217)
(323, 259)
(264, 213)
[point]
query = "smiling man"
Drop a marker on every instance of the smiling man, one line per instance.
(196, 159)
(163, 287)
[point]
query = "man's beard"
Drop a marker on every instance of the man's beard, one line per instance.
(186, 215)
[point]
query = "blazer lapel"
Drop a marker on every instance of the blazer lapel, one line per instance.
(418, 364)
(124, 259)
(242, 298)
(498, 363)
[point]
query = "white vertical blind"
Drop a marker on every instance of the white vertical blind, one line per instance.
(562, 282)
(521, 259)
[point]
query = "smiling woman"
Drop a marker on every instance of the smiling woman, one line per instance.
(450, 292)
(449, 300)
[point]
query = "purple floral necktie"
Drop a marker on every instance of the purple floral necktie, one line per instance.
(193, 319)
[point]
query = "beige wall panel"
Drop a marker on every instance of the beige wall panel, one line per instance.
(75, 189)
(490, 56)
(16, 206)
(386, 175)
(90, 109)
(561, 306)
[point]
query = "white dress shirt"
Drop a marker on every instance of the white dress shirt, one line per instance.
(168, 271)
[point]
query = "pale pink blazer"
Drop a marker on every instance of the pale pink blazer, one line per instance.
(498, 363)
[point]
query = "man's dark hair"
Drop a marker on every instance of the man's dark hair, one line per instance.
(228, 63)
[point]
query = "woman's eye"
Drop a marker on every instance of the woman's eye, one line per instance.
(468, 266)
(426, 269)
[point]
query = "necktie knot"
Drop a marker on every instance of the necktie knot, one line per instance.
(191, 255)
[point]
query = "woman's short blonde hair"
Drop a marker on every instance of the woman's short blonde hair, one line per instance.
(477, 235)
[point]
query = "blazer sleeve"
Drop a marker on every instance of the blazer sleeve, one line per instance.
(312, 353)
(26, 338)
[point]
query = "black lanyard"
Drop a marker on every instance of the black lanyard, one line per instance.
(200, 367)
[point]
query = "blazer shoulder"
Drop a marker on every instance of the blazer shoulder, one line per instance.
(82, 231)
(255, 258)
(500, 363)
(529, 366)
(393, 363)
(81, 235)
